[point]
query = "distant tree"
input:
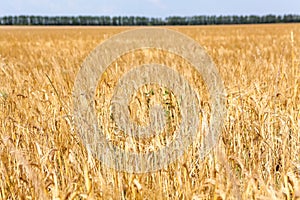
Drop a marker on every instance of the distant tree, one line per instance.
(131, 21)
(115, 21)
(140, 20)
(107, 20)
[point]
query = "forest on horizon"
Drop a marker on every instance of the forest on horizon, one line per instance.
(146, 21)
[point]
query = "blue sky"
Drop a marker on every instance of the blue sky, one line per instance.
(149, 8)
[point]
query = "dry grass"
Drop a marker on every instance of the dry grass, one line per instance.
(258, 156)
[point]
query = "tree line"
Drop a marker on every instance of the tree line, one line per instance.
(145, 21)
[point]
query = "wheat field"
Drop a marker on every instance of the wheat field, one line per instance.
(258, 153)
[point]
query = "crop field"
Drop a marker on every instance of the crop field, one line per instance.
(257, 156)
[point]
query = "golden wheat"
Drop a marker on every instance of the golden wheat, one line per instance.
(258, 156)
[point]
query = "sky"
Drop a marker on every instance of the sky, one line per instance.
(148, 8)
